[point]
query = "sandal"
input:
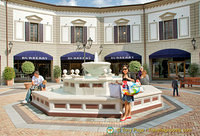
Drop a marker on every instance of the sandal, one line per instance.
(129, 117)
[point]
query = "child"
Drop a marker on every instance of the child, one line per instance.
(43, 85)
(175, 86)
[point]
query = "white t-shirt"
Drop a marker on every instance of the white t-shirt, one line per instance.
(37, 81)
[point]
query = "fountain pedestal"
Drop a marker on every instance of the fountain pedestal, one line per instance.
(89, 86)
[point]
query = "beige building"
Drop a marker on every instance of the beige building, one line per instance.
(157, 33)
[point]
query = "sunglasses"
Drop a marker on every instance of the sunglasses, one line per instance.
(125, 69)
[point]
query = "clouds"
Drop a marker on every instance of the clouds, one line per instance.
(102, 3)
(129, 2)
(67, 3)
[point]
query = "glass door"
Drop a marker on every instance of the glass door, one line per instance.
(176, 68)
(172, 69)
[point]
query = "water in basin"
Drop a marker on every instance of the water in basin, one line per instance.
(60, 91)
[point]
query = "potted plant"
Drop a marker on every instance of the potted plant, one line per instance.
(8, 75)
(57, 73)
(134, 67)
(193, 70)
(28, 68)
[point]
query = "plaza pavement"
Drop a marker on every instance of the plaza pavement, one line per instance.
(186, 118)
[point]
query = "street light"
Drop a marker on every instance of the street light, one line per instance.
(193, 43)
(10, 46)
(86, 45)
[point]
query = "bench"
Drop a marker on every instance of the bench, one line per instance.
(190, 81)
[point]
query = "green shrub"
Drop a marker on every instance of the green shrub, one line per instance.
(193, 70)
(57, 72)
(28, 67)
(8, 73)
(134, 66)
(146, 68)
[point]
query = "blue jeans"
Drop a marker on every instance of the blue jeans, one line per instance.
(175, 89)
(28, 95)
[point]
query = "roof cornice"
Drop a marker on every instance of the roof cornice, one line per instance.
(93, 9)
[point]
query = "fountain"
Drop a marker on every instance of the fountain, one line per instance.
(89, 95)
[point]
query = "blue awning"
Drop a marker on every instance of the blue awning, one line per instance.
(77, 56)
(170, 53)
(123, 55)
(33, 55)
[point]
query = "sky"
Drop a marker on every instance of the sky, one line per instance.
(94, 3)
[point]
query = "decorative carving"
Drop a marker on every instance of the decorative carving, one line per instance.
(167, 16)
(78, 22)
(122, 21)
(34, 18)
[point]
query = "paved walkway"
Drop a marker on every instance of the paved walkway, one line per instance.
(183, 115)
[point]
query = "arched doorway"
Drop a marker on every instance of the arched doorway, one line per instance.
(169, 63)
(42, 62)
(73, 60)
(120, 58)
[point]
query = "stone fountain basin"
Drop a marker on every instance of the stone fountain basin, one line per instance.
(55, 104)
(96, 68)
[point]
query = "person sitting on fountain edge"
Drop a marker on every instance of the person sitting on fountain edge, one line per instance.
(43, 85)
(37, 80)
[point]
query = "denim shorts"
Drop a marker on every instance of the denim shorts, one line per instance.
(128, 98)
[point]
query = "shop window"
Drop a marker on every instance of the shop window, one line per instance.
(168, 29)
(122, 34)
(33, 32)
(79, 33)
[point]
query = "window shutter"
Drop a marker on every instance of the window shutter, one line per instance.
(85, 34)
(161, 30)
(175, 28)
(27, 24)
(115, 34)
(40, 33)
(72, 34)
(128, 34)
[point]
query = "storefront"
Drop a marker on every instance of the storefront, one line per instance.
(169, 63)
(74, 60)
(120, 58)
(41, 61)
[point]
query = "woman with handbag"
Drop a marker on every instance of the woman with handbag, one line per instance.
(126, 98)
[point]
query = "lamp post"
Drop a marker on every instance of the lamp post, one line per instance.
(10, 46)
(193, 43)
(86, 45)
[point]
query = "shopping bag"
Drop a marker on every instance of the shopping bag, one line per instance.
(125, 88)
(131, 88)
(115, 90)
(134, 88)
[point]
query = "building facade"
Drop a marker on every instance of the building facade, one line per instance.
(157, 33)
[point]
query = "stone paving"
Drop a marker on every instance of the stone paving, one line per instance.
(188, 122)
